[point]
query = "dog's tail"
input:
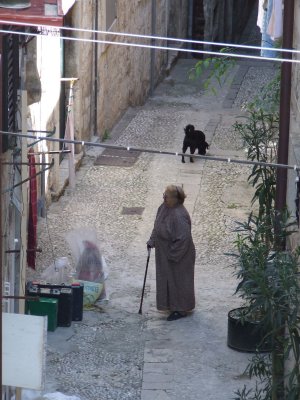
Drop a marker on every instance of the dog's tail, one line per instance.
(203, 148)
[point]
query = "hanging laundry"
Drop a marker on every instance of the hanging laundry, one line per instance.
(262, 7)
(275, 27)
(265, 8)
(32, 217)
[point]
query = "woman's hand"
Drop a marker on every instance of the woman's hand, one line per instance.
(150, 244)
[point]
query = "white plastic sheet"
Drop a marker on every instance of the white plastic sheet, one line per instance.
(59, 396)
(37, 395)
(91, 268)
(60, 271)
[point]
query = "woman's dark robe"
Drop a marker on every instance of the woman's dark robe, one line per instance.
(175, 259)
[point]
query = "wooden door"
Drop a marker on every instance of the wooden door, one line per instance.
(198, 26)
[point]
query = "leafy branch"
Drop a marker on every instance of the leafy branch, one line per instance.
(218, 69)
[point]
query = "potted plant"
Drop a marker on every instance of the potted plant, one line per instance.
(250, 327)
(255, 241)
(246, 330)
(269, 284)
(266, 271)
(268, 275)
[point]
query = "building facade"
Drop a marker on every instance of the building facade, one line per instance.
(56, 82)
(115, 77)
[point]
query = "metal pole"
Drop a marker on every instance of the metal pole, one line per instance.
(285, 99)
(190, 21)
(43, 189)
(1, 233)
(161, 152)
(278, 364)
(25, 199)
(95, 89)
(152, 51)
(1, 268)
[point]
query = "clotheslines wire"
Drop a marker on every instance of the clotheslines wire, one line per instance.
(154, 151)
(149, 46)
(151, 37)
(179, 49)
(9, 190)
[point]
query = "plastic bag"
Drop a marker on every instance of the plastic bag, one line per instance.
(91, 291)
(37, 395)
(28, 394)
(91, 268)
(59, 272)
(59, 396)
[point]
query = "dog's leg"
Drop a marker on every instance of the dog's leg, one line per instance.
(201, 150)
(192, 152)
(184, 149)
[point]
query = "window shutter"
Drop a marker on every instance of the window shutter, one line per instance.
(10, 85)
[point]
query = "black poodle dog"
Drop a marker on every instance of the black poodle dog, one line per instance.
(194, 140)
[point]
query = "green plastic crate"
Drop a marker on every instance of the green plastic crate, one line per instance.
(44, 307)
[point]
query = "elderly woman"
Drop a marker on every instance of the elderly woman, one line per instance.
(174, 255)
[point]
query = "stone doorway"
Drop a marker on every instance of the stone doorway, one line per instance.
(198, 26)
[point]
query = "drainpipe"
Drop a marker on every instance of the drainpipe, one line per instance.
(285, 100)
(167, 22)
(190, 21)
(152, 54)
(1, 265)
(43, 189)
(95, 89)
(1, 233)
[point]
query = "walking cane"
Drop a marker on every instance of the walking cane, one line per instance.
(143, 291)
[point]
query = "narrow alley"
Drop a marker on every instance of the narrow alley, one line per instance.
(115, 353)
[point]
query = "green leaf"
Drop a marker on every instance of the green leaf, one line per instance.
(206, 63)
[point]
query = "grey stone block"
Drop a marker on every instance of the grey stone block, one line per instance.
(158, 355)
(227, 103)
(154, 395)
(157, 385)
(156, 377)
(159, 368)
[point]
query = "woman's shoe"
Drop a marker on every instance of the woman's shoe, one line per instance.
(176, 315)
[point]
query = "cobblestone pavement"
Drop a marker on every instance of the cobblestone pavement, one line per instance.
(115, 353)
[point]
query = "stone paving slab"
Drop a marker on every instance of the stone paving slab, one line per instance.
(155, 395)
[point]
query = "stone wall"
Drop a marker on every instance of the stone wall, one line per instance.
(123, 76)
(111, 78)
(78, 63)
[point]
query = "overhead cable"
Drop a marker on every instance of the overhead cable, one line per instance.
(153, 151)
(150, 37)
(28, 179)
(151, 46)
